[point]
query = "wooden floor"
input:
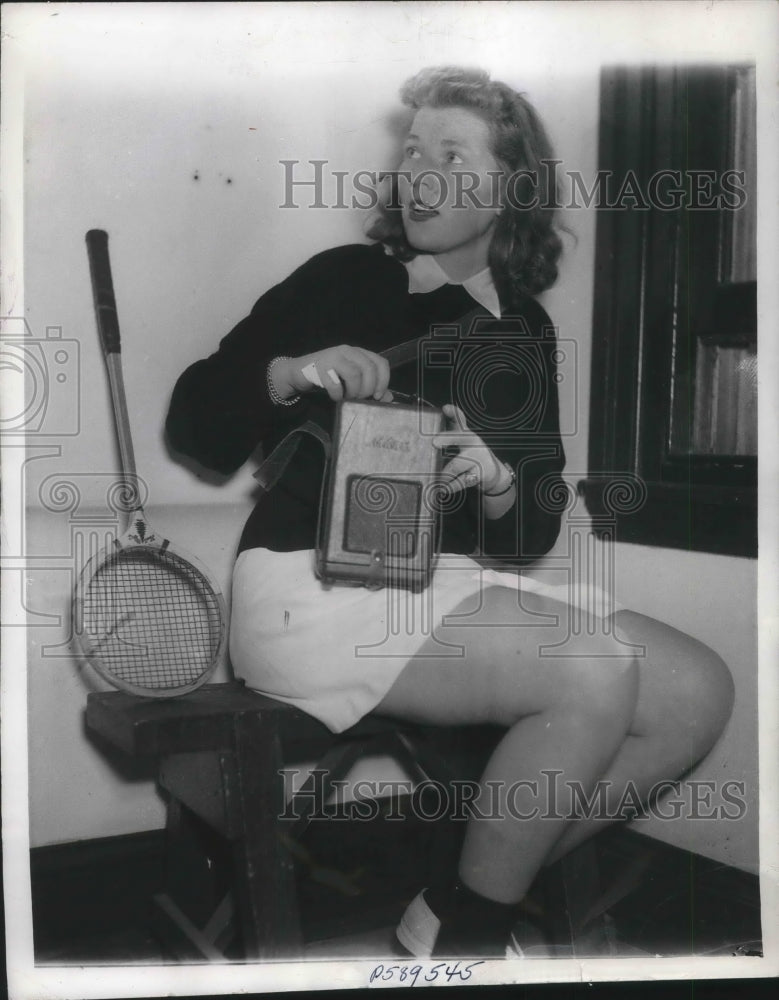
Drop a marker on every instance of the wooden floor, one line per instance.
(90, 900)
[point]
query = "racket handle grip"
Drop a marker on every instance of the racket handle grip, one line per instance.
(103, 291)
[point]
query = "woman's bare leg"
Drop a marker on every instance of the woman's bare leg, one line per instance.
(566, 713)
(685, 697)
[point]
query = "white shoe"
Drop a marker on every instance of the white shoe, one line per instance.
(418, 928)
(513, 949)
(418, 931)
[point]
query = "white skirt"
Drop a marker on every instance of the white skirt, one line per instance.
(334, 650)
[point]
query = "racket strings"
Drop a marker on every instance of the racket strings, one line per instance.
(152, 619)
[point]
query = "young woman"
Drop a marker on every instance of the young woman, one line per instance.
(458, 231)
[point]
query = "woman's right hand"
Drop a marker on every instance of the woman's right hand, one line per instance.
(344, 372)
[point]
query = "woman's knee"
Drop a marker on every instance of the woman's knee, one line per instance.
(689, 686)
(704, 688)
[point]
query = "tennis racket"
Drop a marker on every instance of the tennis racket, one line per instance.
(147, 617)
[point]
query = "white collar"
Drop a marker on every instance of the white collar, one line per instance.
(425, 274)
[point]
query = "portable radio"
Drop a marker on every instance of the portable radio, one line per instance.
(379, 518)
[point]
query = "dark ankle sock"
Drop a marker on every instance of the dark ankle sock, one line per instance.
(471, 924)
(439, 898)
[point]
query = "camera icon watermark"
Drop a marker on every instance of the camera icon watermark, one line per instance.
(41, 381)
(505, 360)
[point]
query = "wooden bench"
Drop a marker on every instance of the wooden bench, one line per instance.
(220, 754)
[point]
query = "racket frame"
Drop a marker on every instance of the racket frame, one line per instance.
(142, 538)
(155, 547)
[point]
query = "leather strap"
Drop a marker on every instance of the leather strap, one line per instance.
(401, 354)
(275, 465)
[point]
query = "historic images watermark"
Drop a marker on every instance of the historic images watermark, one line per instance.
(85, 510)
(460, 359)
(548, 798)
(314, 184)
(42, 381)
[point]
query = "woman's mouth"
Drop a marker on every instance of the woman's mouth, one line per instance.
(418, 212)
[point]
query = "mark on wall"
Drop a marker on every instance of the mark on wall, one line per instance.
(196, 177)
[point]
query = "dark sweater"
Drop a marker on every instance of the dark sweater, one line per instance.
(503, 380)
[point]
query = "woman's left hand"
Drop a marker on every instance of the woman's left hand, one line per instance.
(474, 464)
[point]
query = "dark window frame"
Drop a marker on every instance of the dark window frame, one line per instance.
(658, 289)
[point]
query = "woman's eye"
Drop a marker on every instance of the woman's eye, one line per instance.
(411, 152)
(453, 158)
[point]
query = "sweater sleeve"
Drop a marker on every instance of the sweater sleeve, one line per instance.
(513, 382)
(220, 409)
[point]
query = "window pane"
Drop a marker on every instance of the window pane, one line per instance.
(725, 403)
(739, 245)
(713, 399)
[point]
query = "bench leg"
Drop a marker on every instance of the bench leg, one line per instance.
(265, 891)
(194, 881)
(180, 936)
(225, 832)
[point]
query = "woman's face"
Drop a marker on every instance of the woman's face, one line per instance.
(449, 188)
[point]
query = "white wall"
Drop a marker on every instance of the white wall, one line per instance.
(119, 124)
(126, 107)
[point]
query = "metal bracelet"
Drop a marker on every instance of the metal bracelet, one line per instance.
(275, 398)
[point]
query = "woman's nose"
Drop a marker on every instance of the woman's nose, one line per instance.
(426, 182)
